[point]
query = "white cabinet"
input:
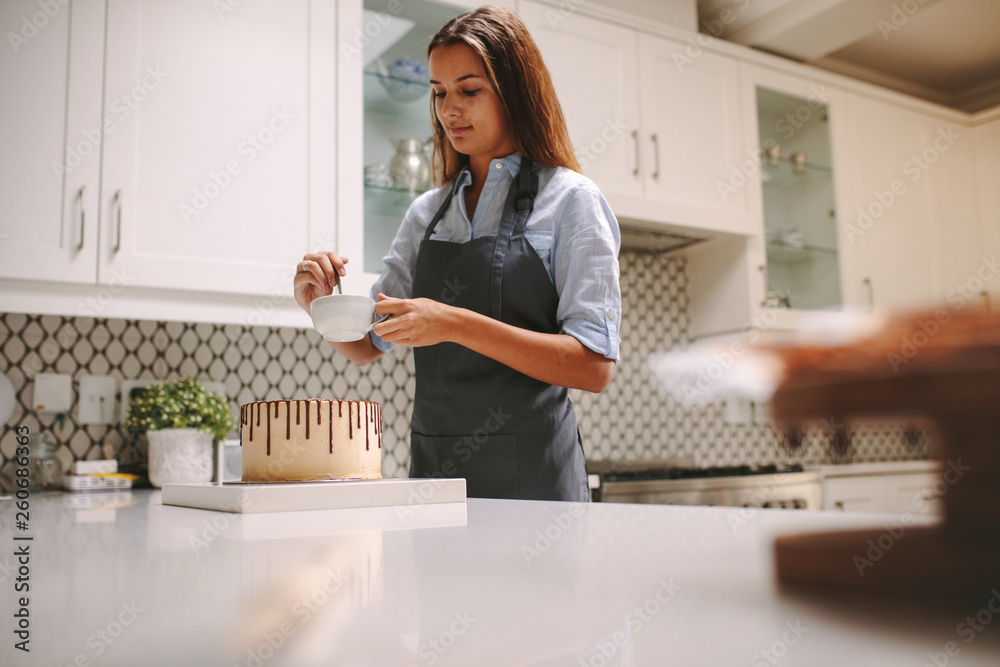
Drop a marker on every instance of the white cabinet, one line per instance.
(908, 206)
(986, 138)
(897, 493)
(657, 124)
(48, 225)
(202, 137)
(206, 174)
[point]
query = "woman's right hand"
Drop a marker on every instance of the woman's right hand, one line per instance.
(316, 275)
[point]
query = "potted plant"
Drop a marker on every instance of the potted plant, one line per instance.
(180, 419)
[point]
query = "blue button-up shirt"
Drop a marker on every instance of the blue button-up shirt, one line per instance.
(571, 228)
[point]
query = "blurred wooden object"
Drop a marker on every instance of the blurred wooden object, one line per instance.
(936, 367)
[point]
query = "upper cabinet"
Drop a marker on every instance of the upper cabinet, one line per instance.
(170, 144)
(911, 225)
(796, 171)
(986, 138)
(206, 179)
(50, 165)
(657, 124)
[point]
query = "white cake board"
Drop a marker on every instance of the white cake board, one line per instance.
(328, 494)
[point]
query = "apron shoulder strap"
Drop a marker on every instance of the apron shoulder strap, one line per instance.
(441, 211)
(524, 202)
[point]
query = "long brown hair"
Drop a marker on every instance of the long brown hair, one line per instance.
(520, 79)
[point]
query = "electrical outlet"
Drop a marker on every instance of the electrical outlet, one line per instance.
(737, 411)
(53, 393)
(762, 413)
(97, 399)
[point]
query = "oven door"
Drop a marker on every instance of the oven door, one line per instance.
(799, 490)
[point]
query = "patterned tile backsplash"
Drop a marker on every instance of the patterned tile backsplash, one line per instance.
(632, 419)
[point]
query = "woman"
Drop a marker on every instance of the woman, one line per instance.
(504, 281)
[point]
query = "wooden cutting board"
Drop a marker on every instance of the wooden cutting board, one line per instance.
(938, 368)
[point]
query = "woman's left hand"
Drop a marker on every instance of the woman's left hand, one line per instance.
(415, 322)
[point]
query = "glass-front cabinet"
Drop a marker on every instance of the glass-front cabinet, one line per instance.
(392, 136)
(800, 218)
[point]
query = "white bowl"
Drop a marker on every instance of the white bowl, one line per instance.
(343, 317)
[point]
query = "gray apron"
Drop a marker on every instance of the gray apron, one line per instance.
(508, 435)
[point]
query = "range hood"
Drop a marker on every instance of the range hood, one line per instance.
(640, 238)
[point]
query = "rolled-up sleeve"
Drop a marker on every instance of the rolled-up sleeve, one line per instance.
(585, 271)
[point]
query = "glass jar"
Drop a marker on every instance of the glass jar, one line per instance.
(44, 466)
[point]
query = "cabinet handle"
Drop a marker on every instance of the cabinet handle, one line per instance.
(656, 155)
(118, 222)
(635, 138)
(871, 294)
(763, 273)
(986, 300)
(83, 216)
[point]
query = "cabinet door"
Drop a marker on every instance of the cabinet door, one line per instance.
(853, 494)
(987, 155)
(206, 178)
(693, 139)
(593, 68)
(884, 203)
(51, 134)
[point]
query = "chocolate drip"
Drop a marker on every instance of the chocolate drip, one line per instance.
(367, 422)
(268, 428)
(276, 403)
(250, 420)
(259, 406)
(331, 427)
(340, 405)
(378, 425)
(359, 414)
(350, 422)
(307, 420)
(298, 412)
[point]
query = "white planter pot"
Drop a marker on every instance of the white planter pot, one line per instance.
(179, 456)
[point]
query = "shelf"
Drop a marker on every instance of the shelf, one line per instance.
(785, 174)
(413, 194)
(378, 100)
(779, 252)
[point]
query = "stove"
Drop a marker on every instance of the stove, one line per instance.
(677, 483)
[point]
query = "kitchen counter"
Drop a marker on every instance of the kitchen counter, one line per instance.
(119, 579)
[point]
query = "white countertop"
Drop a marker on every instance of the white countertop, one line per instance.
(489, 582)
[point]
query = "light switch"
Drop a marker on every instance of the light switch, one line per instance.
(737, 411)
(97, 399)
(53, 393)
